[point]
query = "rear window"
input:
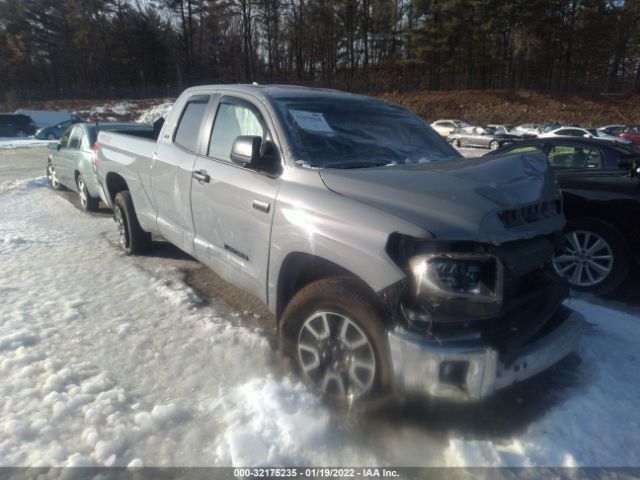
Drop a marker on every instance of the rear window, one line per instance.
(189, 127)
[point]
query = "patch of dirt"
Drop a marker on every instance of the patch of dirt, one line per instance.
(516, 107)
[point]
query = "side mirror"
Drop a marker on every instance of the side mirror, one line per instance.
(248, 151)
(53, 146)
(586, 135)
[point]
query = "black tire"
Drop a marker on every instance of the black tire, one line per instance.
(456, 142)
(87, 202)
(339, 298)
(576, 230)
(494, 145)
(54, 183)
(133, 239)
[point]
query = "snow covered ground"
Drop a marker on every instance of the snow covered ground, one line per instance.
(10, 143)
(114, 360)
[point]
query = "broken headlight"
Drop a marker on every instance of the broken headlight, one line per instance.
(476, 277)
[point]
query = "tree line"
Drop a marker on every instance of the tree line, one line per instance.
(137, 48)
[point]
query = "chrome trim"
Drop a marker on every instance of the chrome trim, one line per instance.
(416, 361)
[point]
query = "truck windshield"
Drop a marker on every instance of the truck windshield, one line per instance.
(346, 133)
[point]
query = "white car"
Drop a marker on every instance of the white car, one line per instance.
(445, 127)
(582, 133)
(530, 128)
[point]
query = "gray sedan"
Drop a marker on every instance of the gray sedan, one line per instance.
(486, 137)
(71, 162)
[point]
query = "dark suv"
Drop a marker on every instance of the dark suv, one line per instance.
(16, 124)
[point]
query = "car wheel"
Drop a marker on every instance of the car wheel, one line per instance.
(132, 238)
(51, 136)
(87, 202)
(52, 178)
(337, 338)
(494, 145)
(456, 142)
(596, 257)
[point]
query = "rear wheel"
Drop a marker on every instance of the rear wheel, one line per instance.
(132, 238)
(87, 202)
(456, 142)
(336, 335)
(596, 257)
(51, 177)
(494, 145)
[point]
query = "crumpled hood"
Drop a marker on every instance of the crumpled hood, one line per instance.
(458, 199)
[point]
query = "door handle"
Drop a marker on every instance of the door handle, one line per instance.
(201, 176)
(261, 206)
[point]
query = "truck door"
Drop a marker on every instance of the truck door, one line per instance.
(232, 205)
(171, 174)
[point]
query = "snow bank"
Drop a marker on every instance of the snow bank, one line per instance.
(104, 362)
(7, 143)
(154, 113)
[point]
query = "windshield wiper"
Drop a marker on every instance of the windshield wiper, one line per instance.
(345, 165)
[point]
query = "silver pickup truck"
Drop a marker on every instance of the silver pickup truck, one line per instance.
(388, 260)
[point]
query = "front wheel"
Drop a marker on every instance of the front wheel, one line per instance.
(52, 178)
(132, 238)
(337, 337)
(494, 145)
(456, 143)
(596, 257)
(87, 202)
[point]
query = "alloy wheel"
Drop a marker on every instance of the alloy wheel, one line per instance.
(82, 191)
(122, 228)
(51, 176)
(587, 259)
(336, 355)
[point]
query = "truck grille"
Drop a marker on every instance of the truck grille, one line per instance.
(515, 217)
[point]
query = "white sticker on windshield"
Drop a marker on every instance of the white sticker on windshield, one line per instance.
(311, 121)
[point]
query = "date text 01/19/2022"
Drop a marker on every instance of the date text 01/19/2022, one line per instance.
(315, 472)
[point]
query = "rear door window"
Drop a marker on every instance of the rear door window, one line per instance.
(188, 129)
(569, 156)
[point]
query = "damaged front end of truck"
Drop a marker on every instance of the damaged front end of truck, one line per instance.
(477, 315)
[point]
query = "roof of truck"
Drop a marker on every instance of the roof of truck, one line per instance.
(277, 91)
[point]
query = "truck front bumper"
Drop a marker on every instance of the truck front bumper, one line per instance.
(472, 372)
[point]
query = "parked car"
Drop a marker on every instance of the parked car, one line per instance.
(601, 195)
(582, 133)
(16, 125)
(631, 134)
(485, 137)
(547, 127)
(71, 162)
(54, 132)
(530, 128)
(612, 129)
(385, 267)
(46, 118)
(445, 127)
